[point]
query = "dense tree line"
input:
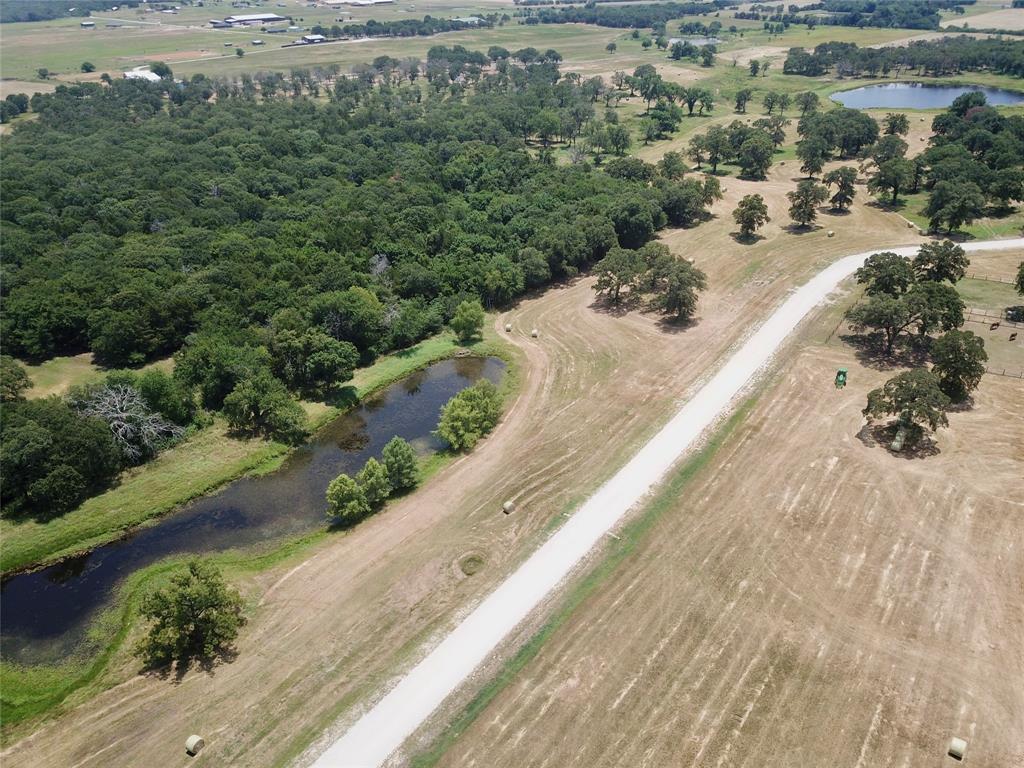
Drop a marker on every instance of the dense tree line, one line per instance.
(428, 25)
(632, 15)
(904, 14)
(44, 10)
(934, 58)
(273, 244)
(975, 159)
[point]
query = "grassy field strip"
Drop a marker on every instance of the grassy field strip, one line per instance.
(383, 728)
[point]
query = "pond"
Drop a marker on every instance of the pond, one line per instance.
(45, 614)
(919, 96)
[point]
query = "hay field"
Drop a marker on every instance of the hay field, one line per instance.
(807, 599)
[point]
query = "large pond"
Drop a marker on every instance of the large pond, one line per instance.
(44, 614)
(919, 96)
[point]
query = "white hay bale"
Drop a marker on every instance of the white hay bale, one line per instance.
(508, 507)
(831, 233)
(508, 327)
(193, 744)
(535, 333)
(957, 747)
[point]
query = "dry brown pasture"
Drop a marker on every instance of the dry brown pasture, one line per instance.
(331, 627)
(810, 599)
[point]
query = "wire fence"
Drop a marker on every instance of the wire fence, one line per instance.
(1006, 373)
(994, 319)
(991, 278)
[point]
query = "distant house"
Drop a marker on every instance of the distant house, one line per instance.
(247, 19)
(336, 3)
(469, 20)
(142, 74)
(88, 24)
(311, 39)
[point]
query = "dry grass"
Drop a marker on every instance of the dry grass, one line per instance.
(810, 599)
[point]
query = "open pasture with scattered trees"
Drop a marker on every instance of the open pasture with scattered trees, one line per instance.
(269, 235)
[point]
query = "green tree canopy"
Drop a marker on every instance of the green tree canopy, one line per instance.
(400, 461)
(916, 400)
(844, 179)
(13, 380)
(468, 320)
(958, 359)
(886, 273)
(260, 404)
(805, 200)
(750, 214)
(374, 482)
(941, 261)
(195, 617)
(470, 415)
(346, 499)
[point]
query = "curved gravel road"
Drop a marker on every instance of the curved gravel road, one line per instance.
(383, 728)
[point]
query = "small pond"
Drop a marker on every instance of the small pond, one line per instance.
(919, 96)
(44, 614)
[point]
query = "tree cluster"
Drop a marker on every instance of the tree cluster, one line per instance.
(670, 284)
(751, 147)
(930, 58)
(633, 15)
(904, 295)
(975, 159)
(470, 415)
(55, 452)
(903, 14)
(350, 499)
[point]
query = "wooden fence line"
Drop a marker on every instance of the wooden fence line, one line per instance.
(990, 278)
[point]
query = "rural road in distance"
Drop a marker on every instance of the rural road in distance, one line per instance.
(386, 725)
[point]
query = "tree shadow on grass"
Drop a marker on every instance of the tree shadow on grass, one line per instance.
(869, 349)
(627, 303)
(742, 239)
(882, 435)
(175, 670)
(673, 324)
(802, 229)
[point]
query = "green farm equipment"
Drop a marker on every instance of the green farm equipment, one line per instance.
(840, 378)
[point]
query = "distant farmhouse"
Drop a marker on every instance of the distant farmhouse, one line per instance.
(247, 20)
(142, 74)
(336, 3)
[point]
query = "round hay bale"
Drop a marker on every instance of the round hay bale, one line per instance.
(535, 333)
(508, 507)
(831, 233)
(910, 225)
(508, 327)
(957, 747)
(193, 744)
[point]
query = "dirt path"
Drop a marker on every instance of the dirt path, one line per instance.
(380, 731)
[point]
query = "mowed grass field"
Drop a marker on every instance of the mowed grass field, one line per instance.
(805, 598)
